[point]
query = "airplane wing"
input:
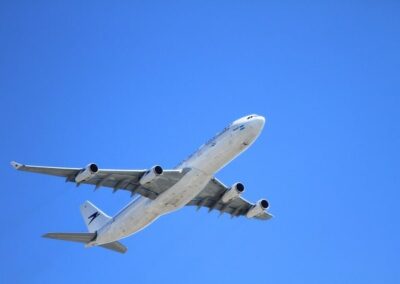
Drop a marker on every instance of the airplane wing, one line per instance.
(211, 197)
(116, 179)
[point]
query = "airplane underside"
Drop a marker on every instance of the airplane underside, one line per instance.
(192, 183)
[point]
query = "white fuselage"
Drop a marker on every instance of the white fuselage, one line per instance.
(203, 164)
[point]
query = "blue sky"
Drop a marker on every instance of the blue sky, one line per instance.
(131, 84)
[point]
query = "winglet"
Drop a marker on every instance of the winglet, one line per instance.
(16, 165)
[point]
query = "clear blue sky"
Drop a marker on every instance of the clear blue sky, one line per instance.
(130, 84)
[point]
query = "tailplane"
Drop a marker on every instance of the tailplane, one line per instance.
(85, 238)
(94, 218)
(115, 246)
(72, 237)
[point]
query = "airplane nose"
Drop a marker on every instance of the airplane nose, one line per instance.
(253, 128)
(259, 122)
(255, 125)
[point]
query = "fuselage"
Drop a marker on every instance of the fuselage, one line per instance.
(203, 164)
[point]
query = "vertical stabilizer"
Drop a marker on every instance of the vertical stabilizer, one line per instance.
(94, 218)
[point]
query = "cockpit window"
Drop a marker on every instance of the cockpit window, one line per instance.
(250, 116)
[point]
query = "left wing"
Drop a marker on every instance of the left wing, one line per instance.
(211, 197)
(116, 179)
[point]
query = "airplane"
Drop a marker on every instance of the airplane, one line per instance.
(159, 191)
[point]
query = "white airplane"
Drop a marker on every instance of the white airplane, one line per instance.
(160, 191)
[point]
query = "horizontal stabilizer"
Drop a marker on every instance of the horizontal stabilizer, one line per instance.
(73, 237)
(85, 238)
(115, 246)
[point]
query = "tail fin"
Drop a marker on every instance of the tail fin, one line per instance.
(94, 218)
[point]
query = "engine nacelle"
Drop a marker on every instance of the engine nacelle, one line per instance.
(87, 173)
(258, 209)
(150, 175)
(234, 192)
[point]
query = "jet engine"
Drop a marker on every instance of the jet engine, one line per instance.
(234, 192)
(257, 209)
(151, 174)
(87, 173)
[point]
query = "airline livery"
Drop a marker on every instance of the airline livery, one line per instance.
(161, 191)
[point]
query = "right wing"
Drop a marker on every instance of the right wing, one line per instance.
(211, 195)
(115, 179)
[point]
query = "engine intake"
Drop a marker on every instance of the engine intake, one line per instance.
(151, 174)
(234, 192)
(258, 209)
(87, 173)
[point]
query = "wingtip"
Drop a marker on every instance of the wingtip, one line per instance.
(16, 165)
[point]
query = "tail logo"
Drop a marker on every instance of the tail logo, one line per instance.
(93, 216)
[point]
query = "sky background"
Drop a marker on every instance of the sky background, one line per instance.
(131, 84)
